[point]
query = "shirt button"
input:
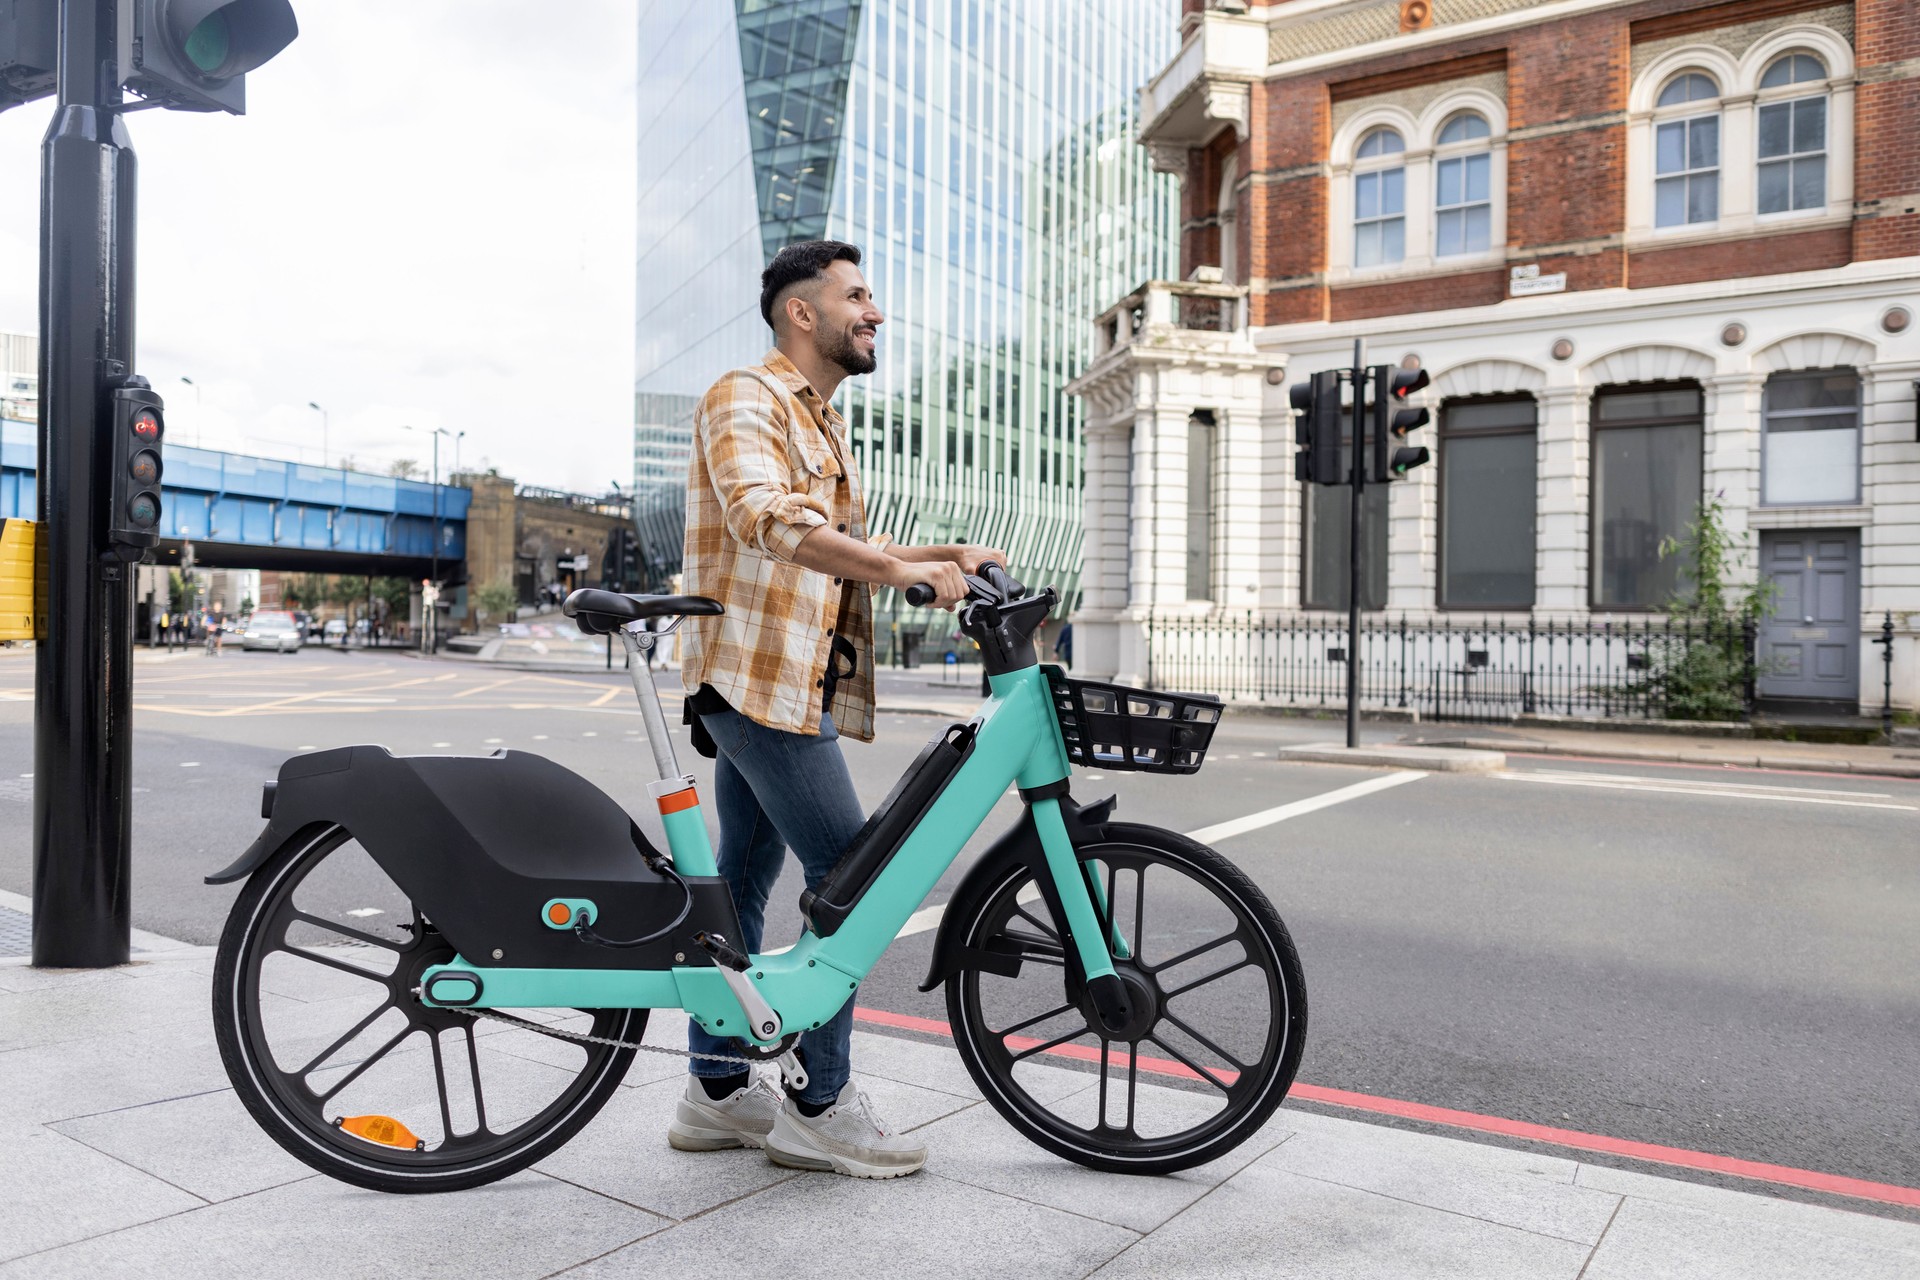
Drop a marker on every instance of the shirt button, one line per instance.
(819, 684)
(842, 528)
(829, 630)
(836, 582)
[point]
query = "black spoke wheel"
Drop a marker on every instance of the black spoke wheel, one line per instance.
(342, 1065)
(1219, 1008)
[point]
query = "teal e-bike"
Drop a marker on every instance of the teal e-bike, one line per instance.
(441, 967)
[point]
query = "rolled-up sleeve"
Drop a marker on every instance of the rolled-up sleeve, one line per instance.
(747, 450)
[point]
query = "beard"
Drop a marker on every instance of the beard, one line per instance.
(843, 351)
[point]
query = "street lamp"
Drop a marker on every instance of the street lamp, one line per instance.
(433, 608)
(196, 408)
(323, 430)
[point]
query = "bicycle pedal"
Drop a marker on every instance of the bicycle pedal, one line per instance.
(793, 1076)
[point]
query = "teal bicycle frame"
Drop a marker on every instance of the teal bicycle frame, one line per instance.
(1017, 742)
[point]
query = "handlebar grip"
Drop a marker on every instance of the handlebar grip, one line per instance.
(920, 594)
(1000, 580)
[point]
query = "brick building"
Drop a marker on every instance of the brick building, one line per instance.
(1651, 252)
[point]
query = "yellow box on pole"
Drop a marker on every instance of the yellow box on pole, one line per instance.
(19, 580)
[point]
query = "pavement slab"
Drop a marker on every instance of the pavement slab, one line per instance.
(127, 1154)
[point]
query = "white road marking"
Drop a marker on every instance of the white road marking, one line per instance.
(591, 733)
(364, 912)
(1312, 804)
(539, 737)
(929, 917)
(189, 764)
(490, 741)
(1724, 790)
(443, 744)
(306, 746)
(1702, 781)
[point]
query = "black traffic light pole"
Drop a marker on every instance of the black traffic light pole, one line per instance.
(1357, 451)
(83, 692)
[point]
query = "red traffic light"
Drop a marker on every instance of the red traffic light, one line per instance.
(146, 427)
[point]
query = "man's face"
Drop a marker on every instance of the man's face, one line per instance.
(845, 319)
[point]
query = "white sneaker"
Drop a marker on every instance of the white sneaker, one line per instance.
(845, 1138)
(741, 1119)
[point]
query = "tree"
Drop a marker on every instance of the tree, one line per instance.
(404, 469)
(1702, 667)
(496, 599)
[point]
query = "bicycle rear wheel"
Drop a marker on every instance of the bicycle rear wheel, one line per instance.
(337, 1060)
(1220, 1009)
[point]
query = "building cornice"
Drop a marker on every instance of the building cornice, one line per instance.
(1887, 278)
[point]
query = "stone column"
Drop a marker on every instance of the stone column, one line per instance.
(1561, 525)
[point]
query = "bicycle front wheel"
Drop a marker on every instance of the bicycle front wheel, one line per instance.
(1220, 1008)
(335, 1057)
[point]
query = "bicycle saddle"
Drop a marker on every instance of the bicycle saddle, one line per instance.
(604, 612)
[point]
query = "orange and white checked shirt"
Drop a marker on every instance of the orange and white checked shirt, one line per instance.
(770, 464)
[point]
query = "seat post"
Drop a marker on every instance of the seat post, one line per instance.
(638, 641)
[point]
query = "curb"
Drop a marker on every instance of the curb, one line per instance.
(1429, 759)
(1603, 751)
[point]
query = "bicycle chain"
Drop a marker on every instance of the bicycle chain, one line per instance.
(582, 1036)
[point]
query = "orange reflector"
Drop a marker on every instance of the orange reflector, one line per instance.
(679, 800)
(384, 1130)
(559, 913)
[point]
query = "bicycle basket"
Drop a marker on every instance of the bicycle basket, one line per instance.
(1109, 726)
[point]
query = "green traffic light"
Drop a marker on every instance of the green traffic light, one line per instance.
(208, 44)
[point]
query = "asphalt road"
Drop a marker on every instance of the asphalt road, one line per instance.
(1714, 959)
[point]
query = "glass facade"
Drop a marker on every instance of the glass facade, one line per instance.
(981, 153)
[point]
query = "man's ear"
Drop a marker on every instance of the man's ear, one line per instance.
(799, 312)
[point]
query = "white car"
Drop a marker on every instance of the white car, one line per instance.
(335, 632)
(275, 631)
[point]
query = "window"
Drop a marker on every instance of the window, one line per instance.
(1793, 138)
(1328, 520)
(1686, 165)
(1647, 464)
(1201, 434)
(1379, 200)
(1463, 195)
(1487, 469)
(1812, 438)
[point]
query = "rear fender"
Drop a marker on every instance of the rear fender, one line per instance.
(1018, 849)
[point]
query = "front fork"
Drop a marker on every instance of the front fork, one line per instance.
(1084, 903)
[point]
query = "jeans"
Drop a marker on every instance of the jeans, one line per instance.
(772, 790)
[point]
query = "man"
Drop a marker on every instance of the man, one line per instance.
(776, 531)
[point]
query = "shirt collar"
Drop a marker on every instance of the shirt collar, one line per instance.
(779, 366)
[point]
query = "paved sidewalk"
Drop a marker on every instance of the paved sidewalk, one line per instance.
(123, 1152)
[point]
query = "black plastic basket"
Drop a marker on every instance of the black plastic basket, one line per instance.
(1109, 726)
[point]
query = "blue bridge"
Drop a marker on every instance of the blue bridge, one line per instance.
(242, 512)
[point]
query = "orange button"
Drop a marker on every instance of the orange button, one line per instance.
(679, 800)
(559, 913)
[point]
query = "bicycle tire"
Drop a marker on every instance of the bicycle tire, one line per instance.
(289, 1110)
(1253, 1095)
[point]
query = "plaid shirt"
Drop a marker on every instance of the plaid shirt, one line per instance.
(770, 463)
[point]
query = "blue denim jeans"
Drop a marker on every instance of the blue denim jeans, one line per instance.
(774, 790)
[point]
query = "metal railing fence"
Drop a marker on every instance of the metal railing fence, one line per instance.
(1449, 669)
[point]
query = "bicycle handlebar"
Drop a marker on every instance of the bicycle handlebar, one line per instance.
(996, 581)
(920, 594)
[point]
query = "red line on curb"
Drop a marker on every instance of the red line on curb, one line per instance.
(1679, 1157)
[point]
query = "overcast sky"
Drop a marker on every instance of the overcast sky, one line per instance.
(425, 218)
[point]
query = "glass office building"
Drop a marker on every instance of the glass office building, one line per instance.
(982, 155)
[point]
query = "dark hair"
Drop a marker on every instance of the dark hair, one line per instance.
(801, 261)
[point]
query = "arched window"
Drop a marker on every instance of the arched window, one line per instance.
(1793, 136)
(1379, 200)
(1463, 187)
(1686, 149)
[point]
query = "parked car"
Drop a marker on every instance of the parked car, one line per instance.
(271, 630)
(335, 632)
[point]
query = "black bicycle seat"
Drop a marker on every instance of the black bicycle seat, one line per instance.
(603, 612)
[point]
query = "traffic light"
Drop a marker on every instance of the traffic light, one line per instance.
(29, 50)
(133, 485)
(194, 55)
(1392, 419)
(1317, 428)
(629, 559)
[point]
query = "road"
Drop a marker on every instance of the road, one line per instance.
(1712, 959)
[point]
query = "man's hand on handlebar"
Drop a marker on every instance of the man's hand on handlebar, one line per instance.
(944, 576)
(970, 558)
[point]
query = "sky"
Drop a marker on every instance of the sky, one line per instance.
(425, 219)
